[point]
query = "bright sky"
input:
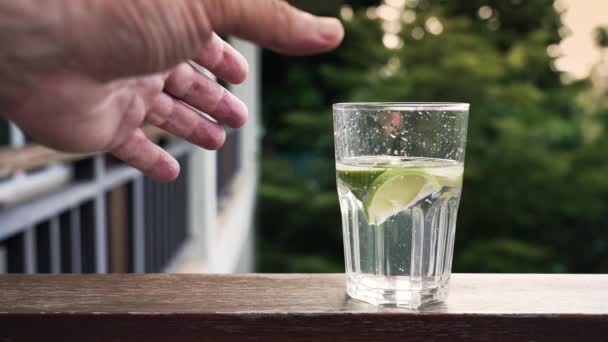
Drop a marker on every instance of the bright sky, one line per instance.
(579, 49)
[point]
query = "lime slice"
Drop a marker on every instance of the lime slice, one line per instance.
(448, 176)
(396, 190)
(358, 180)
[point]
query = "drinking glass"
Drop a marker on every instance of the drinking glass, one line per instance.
(399, 170)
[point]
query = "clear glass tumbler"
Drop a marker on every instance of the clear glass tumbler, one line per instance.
(399, 171)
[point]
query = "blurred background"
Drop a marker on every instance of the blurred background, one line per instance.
(535, 195)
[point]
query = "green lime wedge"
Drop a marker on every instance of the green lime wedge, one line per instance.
(396, 190)
(359, 180)
(448, 176)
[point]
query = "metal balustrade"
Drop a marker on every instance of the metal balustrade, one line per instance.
(228, 162)
(67, 230)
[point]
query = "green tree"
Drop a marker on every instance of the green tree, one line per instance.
(601, 37)
(534, 191)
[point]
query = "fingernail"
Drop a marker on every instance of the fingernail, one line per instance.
(231, 111)
(166, 170)
(330, 28)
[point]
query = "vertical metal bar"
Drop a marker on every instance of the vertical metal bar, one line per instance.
(177, 205)
(29, 250)
(101, 234)
(160, 225)
(184, 206)
(148, 212)
(162, 203)
(150, 226)
(169, 219)
(43, 247)
(3, 261)
(158, 204)
(208, 202)
(87, 233)
(158, 243)
(151, 223)
(65, 238)
(166, 224)
(139, 246)
(174, 229)
(14, 254)
(76, 240)
(55, 243)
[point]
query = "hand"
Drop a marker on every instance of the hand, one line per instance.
(83, 75)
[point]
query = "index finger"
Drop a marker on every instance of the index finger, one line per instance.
(275, 24)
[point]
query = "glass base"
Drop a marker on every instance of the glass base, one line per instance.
(394, 296)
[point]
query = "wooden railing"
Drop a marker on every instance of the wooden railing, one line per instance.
(298, 307)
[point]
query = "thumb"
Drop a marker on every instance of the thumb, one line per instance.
(275, 24)
(125, 38)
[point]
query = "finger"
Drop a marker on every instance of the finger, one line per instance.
(223, 60)
(141, 153)
(275, 24)
(155, 35)
(182, 121)
(204, 94)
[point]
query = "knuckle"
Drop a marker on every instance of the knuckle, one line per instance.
(180, 81)
(217, 55)
(220, 100)
(154, 85)
(161, 111)
(135, 112)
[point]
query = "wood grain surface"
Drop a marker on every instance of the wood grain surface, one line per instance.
(297, 307)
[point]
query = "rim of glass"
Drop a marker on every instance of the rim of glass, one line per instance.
(404, 106)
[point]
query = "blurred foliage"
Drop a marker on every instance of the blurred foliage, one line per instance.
(535, 194)
(601, 36)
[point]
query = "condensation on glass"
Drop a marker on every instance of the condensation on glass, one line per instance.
(399, 172)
